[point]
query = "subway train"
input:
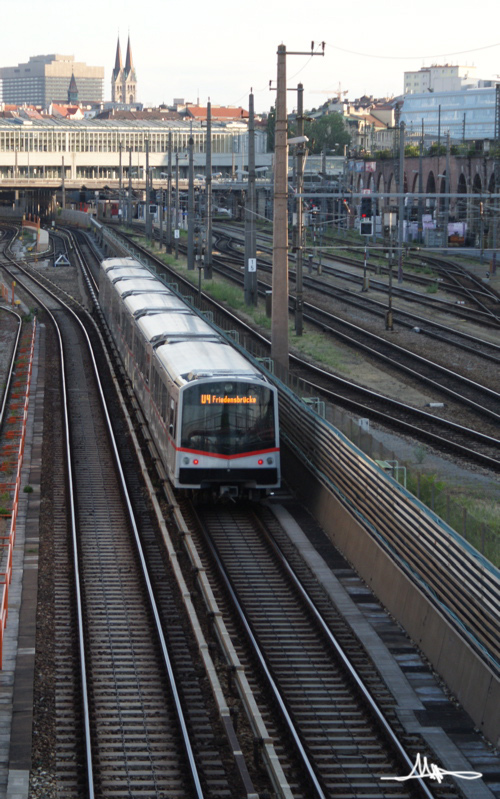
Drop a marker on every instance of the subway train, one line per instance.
(211, 411)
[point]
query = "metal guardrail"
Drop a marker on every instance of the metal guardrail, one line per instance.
(452, 574)
(14, 449)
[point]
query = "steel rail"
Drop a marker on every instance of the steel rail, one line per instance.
(485, 460)
(379, 309)
(455, 286)
(156, 615)
(418, 358)
(263, 664)
(406, 529)
(10, 376)
(411, 429)
(379, 716)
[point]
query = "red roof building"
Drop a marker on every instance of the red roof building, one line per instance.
(219, 113)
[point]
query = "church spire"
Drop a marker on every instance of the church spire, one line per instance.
(129, 66)
(118, 60)
(73, 90)
(124, 80)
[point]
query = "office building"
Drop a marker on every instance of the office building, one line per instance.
(46, 79)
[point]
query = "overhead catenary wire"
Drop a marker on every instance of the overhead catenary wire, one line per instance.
(410, 57)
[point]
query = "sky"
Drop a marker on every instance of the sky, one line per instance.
(222, 50)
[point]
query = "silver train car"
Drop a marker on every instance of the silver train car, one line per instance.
(213, 413)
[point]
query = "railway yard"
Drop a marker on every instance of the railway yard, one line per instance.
(227, 650)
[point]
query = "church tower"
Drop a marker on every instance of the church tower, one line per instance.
(130, 79)
(123, 79)
(73, 91)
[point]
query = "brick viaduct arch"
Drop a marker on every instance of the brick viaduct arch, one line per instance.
(471, 176)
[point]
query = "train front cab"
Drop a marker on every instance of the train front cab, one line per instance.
(228, 437)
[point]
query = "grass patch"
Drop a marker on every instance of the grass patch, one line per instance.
(167, 258)
(318, 347)
(421, 270)
(225, 292)
(475, 517)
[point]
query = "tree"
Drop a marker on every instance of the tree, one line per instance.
(412, 151)
(437, 149)
(327, 133)
(271, 124)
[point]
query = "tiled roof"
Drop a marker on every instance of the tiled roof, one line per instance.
(218, 112)
(139, 115)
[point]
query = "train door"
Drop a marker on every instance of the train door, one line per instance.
(172, 430)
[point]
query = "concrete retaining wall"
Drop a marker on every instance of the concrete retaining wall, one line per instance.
(468, 677)
(75, 218)
(11, 213)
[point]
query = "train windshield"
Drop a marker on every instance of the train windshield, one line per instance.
(228, 417)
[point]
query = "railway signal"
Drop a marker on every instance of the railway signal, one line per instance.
(366, 208)
(366, 226)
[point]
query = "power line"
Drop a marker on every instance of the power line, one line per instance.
(411, 57)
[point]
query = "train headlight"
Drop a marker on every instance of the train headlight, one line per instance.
(270, 461)
(185, 460)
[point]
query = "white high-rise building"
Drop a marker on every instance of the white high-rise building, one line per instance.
(439, 78)
(45, 79)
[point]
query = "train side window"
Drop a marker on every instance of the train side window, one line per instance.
(128, 330)
(116, 311)
(155, 387)
(171, 421)
(141, 356)
(164, 402)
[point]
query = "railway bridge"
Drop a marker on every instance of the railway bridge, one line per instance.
(466, 182)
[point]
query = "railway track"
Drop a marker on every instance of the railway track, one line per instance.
(479, 348)
(132, 725)
(10, 326)
(334, 724)
(468, 433)
(351, 776)
(442, 434)
(475, 300)
(425, 327)
(441, 380)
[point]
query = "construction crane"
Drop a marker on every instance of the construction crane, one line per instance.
(338, 93)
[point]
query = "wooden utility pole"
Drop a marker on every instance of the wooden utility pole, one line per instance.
(301, 151)
(279, 321)
(208, 197)
(250, 274)
(148, 214)
(279, 305)
(190, 217)
(169, 194)
(176, 226)
(120, 182)
(129, 209)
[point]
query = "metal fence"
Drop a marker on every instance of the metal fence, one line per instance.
(422, 482)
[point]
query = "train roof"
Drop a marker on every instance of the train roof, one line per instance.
(171, 327)
(126, 272)
(190, 360)
(140, 285)
(111, 263)
(152, 303)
